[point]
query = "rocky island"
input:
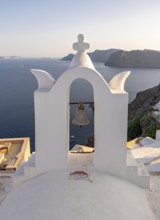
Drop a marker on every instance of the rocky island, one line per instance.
(134, 59)
(125, 59)
(100, 56)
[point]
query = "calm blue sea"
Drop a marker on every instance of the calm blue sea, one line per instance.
(17, 86)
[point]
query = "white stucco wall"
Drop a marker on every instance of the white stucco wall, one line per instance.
(52, 123)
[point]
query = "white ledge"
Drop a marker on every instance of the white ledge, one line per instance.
(118, 81)
(45, 80)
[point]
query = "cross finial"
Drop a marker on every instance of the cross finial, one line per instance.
(81, 46)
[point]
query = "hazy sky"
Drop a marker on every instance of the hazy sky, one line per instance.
(50, 27)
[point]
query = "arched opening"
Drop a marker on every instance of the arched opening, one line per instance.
(81, 138)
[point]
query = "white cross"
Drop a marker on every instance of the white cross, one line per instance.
(80, 46)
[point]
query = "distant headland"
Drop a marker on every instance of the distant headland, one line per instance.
(9, 57)
(125, 59)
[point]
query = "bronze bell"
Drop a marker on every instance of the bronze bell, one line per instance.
(80, 116)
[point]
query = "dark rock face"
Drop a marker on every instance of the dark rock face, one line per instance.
(144, 102)
(140, 120)
(100, 56)
(135, 59)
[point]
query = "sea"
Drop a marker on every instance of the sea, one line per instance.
(17, 86)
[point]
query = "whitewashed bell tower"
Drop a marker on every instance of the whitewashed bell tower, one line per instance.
(52, 116)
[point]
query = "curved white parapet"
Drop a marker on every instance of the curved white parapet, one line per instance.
(81, 59)
(45, 80)
(118, 81)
